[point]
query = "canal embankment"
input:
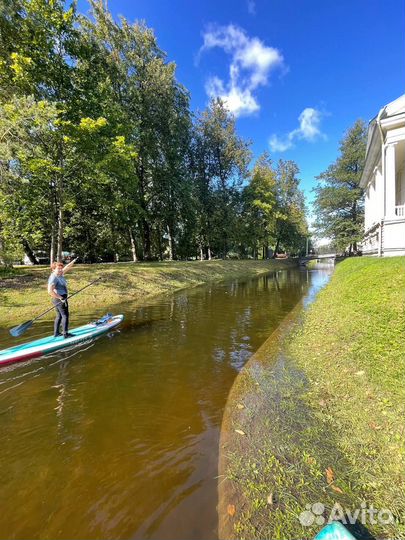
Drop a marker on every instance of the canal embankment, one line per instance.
(316, 415)
(131, 421)
(23, 291)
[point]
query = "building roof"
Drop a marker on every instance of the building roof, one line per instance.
(376, 129)
(395, 107)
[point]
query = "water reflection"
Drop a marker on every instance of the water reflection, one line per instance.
(120, 439)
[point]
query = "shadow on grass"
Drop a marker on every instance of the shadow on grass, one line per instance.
(359, 531)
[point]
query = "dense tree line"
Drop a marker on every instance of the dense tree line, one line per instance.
(101, 155)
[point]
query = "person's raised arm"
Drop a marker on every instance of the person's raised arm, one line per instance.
(69, 266)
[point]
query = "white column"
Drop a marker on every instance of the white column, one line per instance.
(366, 208)
(373, 197)
(379, 188)
(390, 181)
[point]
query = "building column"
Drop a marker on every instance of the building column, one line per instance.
(390, 174)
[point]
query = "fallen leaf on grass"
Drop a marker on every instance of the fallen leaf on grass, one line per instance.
(337, 489)
(231, 510)
(330, 475)
(270, 499)
(240, 432)
(322, 403)
(360, 373)
(375, 426)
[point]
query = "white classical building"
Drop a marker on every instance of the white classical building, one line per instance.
(384, 182)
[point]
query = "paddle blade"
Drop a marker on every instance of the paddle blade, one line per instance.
(20, 329)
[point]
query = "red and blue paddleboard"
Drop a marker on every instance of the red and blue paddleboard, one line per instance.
(50, 344)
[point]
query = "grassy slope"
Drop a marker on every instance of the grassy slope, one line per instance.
(24, 293)
(336, 402)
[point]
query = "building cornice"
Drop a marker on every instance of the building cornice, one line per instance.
(392, 122)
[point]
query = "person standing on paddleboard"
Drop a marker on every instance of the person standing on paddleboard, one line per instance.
(57, 288)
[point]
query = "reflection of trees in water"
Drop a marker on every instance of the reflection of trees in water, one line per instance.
(207, 335)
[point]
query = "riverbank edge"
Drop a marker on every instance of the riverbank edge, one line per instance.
(231, 501)
(24, 295)
(352, 389)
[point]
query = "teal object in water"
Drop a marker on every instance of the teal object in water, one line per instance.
(334, 531)
(51, 344)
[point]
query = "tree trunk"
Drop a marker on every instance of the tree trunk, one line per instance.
(169, 235)
(52, 253)
(143, 224)
(276, 248)
(28, 251)
(60, 234)
(146, 239)
(133, 245)
(278, 240)
(159, 242)
(59, 202)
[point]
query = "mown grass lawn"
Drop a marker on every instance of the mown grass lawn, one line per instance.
(323, 420)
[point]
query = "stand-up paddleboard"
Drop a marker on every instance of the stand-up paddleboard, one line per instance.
(50, 344)
(334, 531)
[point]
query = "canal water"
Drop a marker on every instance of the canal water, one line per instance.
(119, 438)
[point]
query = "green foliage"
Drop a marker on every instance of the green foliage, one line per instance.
(26, 169)
(220, 159)
(274, 209)
(102, 156)
(339, 197)
(259, 205)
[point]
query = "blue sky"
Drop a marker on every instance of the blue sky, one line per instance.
(296, 73)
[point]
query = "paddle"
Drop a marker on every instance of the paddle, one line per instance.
(20, 329)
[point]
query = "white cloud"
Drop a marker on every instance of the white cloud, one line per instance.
(251, 63)
(278, 145)
(309, 130)
(310, 122)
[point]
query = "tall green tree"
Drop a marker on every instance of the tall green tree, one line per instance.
(95, 170)
(221, 158)
(339, 197)
(154, 111)
(26, 172)
(290, 223)
(40, 62)
(260, 198)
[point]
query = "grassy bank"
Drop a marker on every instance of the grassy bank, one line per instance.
(318, 416)
(23, 293)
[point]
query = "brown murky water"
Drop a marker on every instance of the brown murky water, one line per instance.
(119, 438)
